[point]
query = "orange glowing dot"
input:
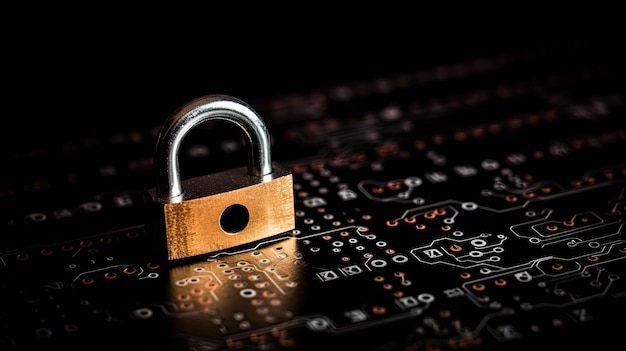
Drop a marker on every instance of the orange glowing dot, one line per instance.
(234, 344)
(440, 211)
(129, 270)
(276, 332)
(557, 266)
(106, 240)
(445, 313)
(494, 128)
(392, 223)
(390, 251)
(420, 226)
(591, 180)
(394, 186)
(510, 198)
(132, 235)
(478, 132)
(367, 218)
(446, 228)
(205, 300)
(196, 291)
(303, 194)
(568, 223)
(183, 297)
(46, 252)
(110, 275)
(456, 248)
(387, 286)
(398, 294)
(500, 282)
(345, 259)
(478, 287)
(515, 124)
(546, 190)
(86, 243)
(378, 190)
(410, 220)
(186, 306)
(269, 293)
(379, 309)
(321, 210)
(359, 157)
(552, 228)
(429, 215)
(386, 149)
(87, 280)
(465, 275)
(592, 258)
(584, 219)
(344, 233)
(460, 136)
(317, 166)
(528, 195)
(327, 237)
(379, 278)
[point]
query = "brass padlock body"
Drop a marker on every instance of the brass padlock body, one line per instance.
(193, 226)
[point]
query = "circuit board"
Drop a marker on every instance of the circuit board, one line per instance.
(477, 204)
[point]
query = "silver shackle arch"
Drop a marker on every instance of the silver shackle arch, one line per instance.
(213, 107)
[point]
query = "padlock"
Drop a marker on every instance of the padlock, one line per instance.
(219, 210)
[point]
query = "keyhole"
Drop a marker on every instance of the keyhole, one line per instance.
(234, 218)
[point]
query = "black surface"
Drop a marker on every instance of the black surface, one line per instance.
(82, 102)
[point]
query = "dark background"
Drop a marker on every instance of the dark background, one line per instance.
(89, 73)
(79, 75)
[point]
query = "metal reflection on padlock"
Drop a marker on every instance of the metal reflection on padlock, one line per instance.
(225, 209)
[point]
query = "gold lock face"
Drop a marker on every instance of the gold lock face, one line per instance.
(260, 209)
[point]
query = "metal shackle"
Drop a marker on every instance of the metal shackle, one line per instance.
(213, 107)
